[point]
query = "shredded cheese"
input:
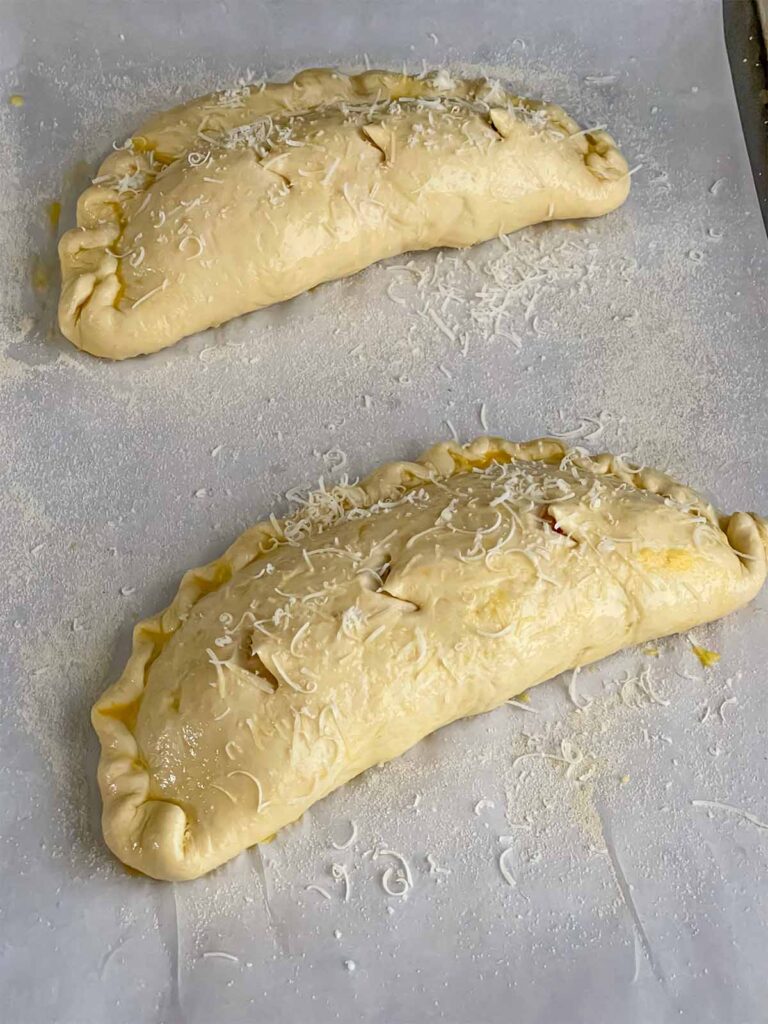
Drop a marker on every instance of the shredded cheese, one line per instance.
(262, 804)
(507, 875)
(724, 705)
(400, 876)
(523, 707)
(340, 874)
(345, 845)
(434, 868)
(318, 889)
(298, 635)
(719, 806)
(149, 294)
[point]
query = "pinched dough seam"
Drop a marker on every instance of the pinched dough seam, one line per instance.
(161, 828)
(103, 206)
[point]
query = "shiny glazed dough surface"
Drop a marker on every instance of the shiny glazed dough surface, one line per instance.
(248, 197)
(335, 640)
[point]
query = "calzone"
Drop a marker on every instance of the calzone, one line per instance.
(337, 638)
(248, 197)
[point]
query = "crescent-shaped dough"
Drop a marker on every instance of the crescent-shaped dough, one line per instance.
(248, 197)
(336, 639)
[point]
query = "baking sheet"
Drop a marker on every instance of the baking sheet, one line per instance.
(642, 332)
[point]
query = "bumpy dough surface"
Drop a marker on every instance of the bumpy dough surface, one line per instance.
(248, 197)
(336, 639)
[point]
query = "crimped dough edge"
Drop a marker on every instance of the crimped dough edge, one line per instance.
(124, 781)
(101, 220)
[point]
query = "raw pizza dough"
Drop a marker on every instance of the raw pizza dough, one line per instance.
(248, 197)
(335, 640)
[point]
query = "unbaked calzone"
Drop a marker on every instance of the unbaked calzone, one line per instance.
(336, 639)
(247, 197)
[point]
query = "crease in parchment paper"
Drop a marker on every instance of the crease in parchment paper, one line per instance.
(640, 935)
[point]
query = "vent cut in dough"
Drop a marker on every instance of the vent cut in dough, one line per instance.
(251, 196)
(336, 639)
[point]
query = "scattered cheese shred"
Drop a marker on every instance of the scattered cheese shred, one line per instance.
(724, 705)
(149, 294)
(507, 875)
(348, 842)
(298, 636)
(340, 874)
(719, 806)
(249, 775)
(578, 704)
(434, 867)
(400, 876)
(523, 707)
(318, 889)
(226, 792)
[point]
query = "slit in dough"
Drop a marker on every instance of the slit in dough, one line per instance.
(286, 667)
